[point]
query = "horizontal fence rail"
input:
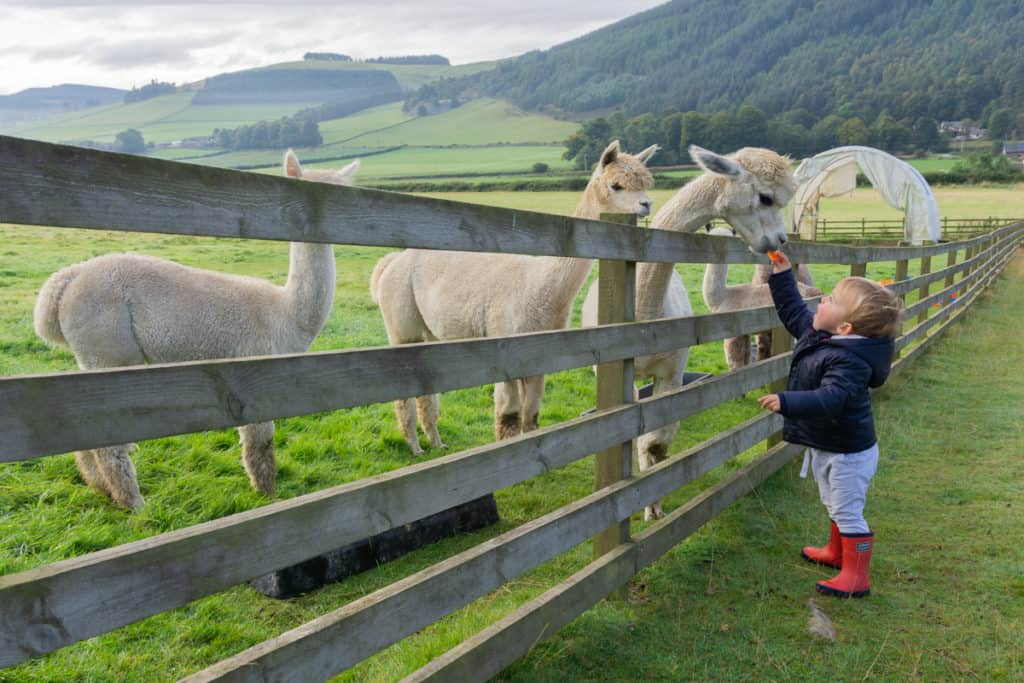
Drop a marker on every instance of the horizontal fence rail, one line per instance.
(146, 577)
(497, 646)
(108, 191)
(341, 639)
(46, 608)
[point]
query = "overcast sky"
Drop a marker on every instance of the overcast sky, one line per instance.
(128, 43)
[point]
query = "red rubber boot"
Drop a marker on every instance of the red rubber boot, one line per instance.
(853, 580)
(831, 555)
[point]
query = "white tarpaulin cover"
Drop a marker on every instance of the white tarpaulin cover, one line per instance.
(834, 172)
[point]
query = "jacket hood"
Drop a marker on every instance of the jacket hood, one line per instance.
(877, 352)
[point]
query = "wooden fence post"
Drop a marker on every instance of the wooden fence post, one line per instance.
(858, 270)
(926, 267)
(901, 275)
(950, 261)
(616, 302)
(781, 343)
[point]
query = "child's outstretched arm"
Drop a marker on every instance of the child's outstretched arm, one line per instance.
(790, 306)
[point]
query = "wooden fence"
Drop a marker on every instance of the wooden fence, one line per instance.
(51, 607)
(953, 229)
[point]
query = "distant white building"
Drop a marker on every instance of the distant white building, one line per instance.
(961, 130)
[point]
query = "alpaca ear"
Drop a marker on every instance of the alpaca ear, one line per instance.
(645, 155)
(347, 174)
(610, 153)
(714, 163)
(292, 169)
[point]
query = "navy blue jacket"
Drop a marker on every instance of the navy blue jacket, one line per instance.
(827, 404)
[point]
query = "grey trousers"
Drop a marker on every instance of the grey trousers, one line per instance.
(843, 480)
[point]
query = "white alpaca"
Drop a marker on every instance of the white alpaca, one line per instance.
(440, 295)
(748, 190)
(721, 297)
(126, 309)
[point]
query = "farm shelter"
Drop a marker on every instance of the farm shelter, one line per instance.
(834, 172)
(46, 608)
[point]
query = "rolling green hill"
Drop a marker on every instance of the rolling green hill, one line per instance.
(943, 59)
(483, 136)
(161, 119)
(242, 98)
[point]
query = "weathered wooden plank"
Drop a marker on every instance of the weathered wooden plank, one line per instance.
(978, 280)
(616, 303)
(484, 655)
(922, 293)
(55, 185)
(136, 580)
(987, 260)
(488, 652)
(55, 413)
(954, 316)
(346, 636)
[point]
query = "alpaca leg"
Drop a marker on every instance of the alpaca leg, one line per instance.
(115, 467)
(653, 447)
(258, 455)
(506, 410)
(737, 351)
(428, 409)
(531, 392)
(405, 413)
(764, 345)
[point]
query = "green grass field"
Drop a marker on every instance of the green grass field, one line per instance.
(347, 128)
(955, 202)
(480, 122)
(161, 119)
(725, 605)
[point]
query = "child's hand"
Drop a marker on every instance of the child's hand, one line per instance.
(770, 402)
(780, 261)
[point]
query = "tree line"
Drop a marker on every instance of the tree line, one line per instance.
(437, 60)
(152, 89)
(291, 131)
(795, 132)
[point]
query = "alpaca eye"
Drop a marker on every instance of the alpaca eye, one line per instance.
(765, 200)
(616, 187)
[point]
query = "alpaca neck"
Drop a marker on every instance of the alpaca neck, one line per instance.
(309, 291)
(561, 278)
(689, 210)
(715, 287)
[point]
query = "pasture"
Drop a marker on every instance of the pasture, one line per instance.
(49, 515)
(954, 201)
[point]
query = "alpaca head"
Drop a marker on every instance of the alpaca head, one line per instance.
(344, 176)
(620, 181)
(749, 189)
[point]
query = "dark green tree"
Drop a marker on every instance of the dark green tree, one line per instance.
(130, 142)
(1000, 124)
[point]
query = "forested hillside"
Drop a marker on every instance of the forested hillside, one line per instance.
(943, 59)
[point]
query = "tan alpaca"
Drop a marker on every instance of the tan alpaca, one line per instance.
(747, 189)
(721, 297)
(127, 309)
(441, 295)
